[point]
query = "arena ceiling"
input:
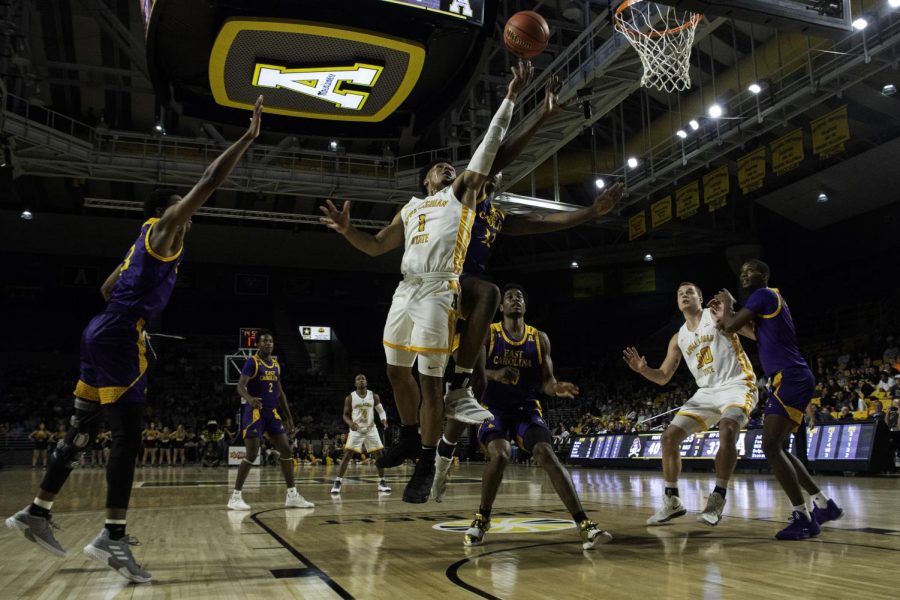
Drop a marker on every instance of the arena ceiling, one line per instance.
(81, 122)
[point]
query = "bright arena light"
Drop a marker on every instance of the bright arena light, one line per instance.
(574, 264)
(694, 124)
(648, 258)
(681, 133)
(600, 183)
(893, 3)
(715, 111)
(860, 24)
(632, 163)
(754, 88)
(26, 215)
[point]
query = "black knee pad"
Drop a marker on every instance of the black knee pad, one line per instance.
(83, 428)
(534, 435)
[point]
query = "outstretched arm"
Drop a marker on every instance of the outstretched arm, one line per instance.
(549, 384)
(177, 216)
(531, 224)
(666, 370)
(374, 245)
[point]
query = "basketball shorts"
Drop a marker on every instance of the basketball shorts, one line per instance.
(257, 421)
(113, 359)
(791, 392)
(369, 439)
(709, 405)
(421, 323)
(512, 422)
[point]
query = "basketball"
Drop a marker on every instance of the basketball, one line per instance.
(526, 34)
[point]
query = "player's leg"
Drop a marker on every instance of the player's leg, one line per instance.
(279, 439)
(682, 426)
(498, 451)
(374, 448)
(352, 442)
(726, 459)
(251, 451)
(478, 303)
(418, 488)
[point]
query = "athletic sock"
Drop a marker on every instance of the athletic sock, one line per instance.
(339, 479)
(428, 453)
(721, 487)
(671, 488)
(116, 528)
(720, 491)
(579, 517)
(485, 513)
(292, 491)
(801, 508)
(820, 500)
(409, 431)
(461, 378)
(40, 508)
(445, 448)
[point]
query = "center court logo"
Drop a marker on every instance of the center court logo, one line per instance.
(512, 525)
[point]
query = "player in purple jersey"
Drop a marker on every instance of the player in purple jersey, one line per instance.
(519, 369)
(792, 385)
(112, 384)
(264, 409)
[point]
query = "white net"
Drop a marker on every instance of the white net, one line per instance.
(662, 36)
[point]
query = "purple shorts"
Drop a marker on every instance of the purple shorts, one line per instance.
(791, 391)
(512, 422)
(113, 360)
(256, 421)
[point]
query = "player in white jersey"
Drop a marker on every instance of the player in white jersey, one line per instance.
(727, 392)
(421, 322)
(360, 407)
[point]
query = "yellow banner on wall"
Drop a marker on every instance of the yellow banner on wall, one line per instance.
(716, 185)
(830, 132)
(637, 225)
(752, 170)
(787, 152)
(687, 200)
(661, 212)
(587, 285)
(641, 279)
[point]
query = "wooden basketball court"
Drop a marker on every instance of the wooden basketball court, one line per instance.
(370, 545)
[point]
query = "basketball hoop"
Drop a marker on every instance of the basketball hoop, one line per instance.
(662, 36)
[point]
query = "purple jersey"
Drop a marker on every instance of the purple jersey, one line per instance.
(264, 380)
(488, 223)
(778, 347)
(525, 355)
(146, 280)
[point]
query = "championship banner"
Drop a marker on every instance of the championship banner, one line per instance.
(687, 200)
(637, 225)
(751, 170)
(830, 132)
(661, 212)
(787, 152)
(641, 279)
(716, 185)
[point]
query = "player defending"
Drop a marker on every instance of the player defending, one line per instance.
(359, 407)
(792, 385)
(420, 324)
(262, 403)
(113, 381)
(519, 368)
(726, 395)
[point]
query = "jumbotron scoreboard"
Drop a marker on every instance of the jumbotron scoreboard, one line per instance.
(361, 68)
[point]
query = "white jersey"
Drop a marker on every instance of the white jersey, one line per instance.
(363, 409)
(716, 359)
(436, 231)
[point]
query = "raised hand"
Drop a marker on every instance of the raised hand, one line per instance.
(716, 310)
(338, 220)
(256, 119)
(634, 360)
(551, 94)
(607, 201)
(725, 298)
(564, 389)
(523, 73)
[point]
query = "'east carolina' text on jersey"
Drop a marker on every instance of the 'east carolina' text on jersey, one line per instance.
(436, 234)
(363, 409)
(715, 359)
(489, 220)
(264, 380)
(146, 280)
(524, 354)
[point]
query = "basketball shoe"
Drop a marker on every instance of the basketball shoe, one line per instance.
(462, 405)
(419, 486)
(712, 514)
(384, 487)
(37, 529)
(116, 554)
(441, 475)
(592, 536)
(475, 532)
(295, 500)
(831, 512)
(237, 502)
(799, 528)
(407, 446)
(672, 509)
(336, 488)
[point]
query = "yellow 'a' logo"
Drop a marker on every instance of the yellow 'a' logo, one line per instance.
(325, 83)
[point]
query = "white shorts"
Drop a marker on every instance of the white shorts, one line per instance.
(709, 405)
(370, 438)
(421, 323)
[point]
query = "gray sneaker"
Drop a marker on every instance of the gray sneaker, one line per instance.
(116, 554)
(712, 514)
(38, 530)
(441, 475)
(462, 405)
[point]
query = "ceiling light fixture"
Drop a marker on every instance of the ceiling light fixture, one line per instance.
(681, 133)
(860, 24)
(694, 124)
(648, 257)
(26, 215)
(600, 183)
(889, 89)
(755, 88)
(632, 163)
(715, 111)
(574, 264)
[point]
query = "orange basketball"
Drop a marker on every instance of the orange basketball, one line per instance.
(526, 34)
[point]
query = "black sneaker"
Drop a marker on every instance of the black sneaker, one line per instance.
(407, 446)
(419, 486)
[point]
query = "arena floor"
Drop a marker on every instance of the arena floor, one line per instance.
(366, 545)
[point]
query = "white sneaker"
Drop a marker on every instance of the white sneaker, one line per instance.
(336, 488)
(441, 475)
(712, 514)
(237, 502)
(462, 405)
(672, 509)
(295, 500)
(384, 487)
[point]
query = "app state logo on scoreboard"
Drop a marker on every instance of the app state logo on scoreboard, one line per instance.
(312, 70)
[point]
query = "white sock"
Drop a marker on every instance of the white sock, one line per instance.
(820, 500)
(48, 504)
(801, 508)
(448, 442)
(671, 484)
(292, 491)
(338, 478)
(722, 483)
(115, 522)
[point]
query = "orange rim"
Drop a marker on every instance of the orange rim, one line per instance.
(692, 22)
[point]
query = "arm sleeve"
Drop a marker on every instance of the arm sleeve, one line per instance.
(762, 302)
(484, 155)
(381, 414)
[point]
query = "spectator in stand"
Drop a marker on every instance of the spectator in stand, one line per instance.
(878, 413)
(231, 434)
(846, 415)
(893, 416)
(887, 383)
